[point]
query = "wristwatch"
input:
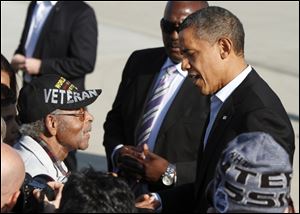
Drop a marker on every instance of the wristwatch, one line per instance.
(169, 176)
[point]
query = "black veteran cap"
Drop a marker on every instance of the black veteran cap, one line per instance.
(50, 92)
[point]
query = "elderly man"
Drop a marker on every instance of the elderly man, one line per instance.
(54, 122)
(12, 176)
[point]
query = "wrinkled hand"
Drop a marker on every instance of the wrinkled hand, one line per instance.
(131, 151)
(129, 162)
(154, 165)
(147, 202)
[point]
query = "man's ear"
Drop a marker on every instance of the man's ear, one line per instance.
(225, 47)
(12, 201)
(51, 124)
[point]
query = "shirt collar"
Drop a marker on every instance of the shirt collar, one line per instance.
(51, 2)
(169, 63)
(225, 92)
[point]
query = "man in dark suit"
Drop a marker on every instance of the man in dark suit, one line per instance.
(176, 134)
(58, 37)
(61, 38)
(212, 43)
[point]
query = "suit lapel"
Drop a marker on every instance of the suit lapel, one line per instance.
(214, 140)
(222, 121)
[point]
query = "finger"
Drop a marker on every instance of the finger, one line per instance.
(131, 161)
(142, 198)
(131, 170)
(145, 147)
(133, 153)
(38, 194)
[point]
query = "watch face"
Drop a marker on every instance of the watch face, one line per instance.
(167, 180)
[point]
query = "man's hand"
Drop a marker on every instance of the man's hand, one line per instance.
(154, 165)
(129, 162)
(147, 203)
(32, 66)
(28, 65)
(18, 62)
(50, 206)
(139, 162)
(131, 151)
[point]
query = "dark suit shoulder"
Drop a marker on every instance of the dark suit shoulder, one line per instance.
(74, 6)
(149, 53)
(258, 91)
(145, 61)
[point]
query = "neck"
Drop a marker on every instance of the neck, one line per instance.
(59, 151)
(234, 69)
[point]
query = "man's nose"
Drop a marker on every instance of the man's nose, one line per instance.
(89, 116)
(185, 66)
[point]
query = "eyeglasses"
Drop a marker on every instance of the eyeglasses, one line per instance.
(169, 27)
(80, 115)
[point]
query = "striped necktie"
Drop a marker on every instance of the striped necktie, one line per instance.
(154, 105)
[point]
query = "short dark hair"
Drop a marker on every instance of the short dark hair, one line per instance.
(213, 23)
(91, 191)
(6, 67)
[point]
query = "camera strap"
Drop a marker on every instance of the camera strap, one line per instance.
(55, 161)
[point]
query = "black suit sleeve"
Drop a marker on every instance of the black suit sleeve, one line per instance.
(21, 46)
(277, 126)
(82, 49)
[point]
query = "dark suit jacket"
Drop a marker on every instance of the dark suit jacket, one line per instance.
(181, 131)
(67, 43)
(253, 106)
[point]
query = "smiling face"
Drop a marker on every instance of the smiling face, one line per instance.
(202, 60)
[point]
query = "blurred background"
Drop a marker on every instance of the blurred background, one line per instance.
(271, 46)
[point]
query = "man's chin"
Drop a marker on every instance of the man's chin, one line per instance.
(176, 57)
(84, 143)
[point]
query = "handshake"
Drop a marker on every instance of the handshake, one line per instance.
(140, 164)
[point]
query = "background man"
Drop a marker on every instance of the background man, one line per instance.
(58, 38)
(169, 121)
